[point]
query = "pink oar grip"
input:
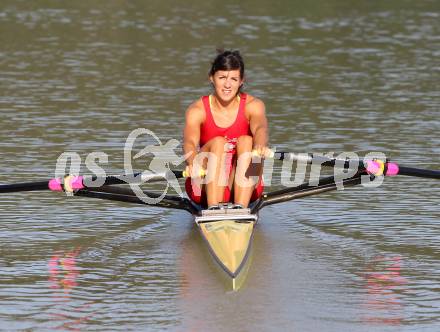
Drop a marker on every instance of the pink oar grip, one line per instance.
(55, 184)
(74, 182)
(392, 169)
(373, 167)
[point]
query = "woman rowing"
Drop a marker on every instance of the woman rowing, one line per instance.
(221, 132)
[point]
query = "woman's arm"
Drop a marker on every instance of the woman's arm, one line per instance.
(191, 134)
(258, 125)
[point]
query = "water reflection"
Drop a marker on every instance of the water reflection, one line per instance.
(63, 271)
(384, 285)
(63, 275)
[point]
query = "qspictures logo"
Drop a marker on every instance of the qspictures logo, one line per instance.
(164, 158)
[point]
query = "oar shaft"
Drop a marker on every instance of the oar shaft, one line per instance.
(81, 182)
(26, 186)
(421, 173)
(138, 177)
(310, 158)
(375, 167)
(84, 182)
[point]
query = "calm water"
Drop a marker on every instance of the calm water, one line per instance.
(335, 76)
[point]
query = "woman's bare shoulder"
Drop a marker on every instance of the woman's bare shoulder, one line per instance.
(196, 110)
(254, 104)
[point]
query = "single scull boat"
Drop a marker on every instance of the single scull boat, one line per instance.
(228, 232)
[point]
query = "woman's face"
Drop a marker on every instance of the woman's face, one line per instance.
(226, 83)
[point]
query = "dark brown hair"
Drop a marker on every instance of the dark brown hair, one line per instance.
(227, 60)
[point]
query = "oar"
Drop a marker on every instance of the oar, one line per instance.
(79, 182)
(375, 167)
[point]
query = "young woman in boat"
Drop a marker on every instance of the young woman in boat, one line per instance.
(222, 133)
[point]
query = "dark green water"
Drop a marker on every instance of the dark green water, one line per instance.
(335, 76)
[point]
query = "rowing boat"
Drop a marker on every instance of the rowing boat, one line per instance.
(227, 232)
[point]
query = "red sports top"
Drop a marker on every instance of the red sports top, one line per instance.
(209, 129)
